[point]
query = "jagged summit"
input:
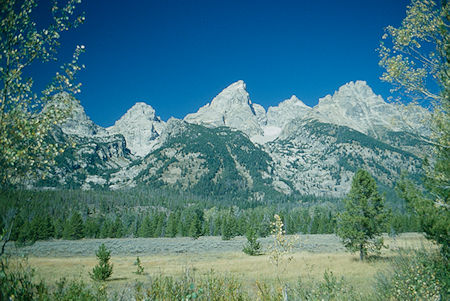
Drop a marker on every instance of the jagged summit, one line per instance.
(141, 108)
(353, 92)
(141, 127)
(294, 101)
(355, 105)
(234, 94)
(77, 123)
(286, 111)
(233, 108)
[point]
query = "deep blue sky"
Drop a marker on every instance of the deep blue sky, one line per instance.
(177, 55)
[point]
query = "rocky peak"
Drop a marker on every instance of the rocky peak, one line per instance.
(232, 107)
(293, 101)
(140, 110)
(353, 93)
(141, 127)
(233, 95)
(77, 123)
(355, 105)
(286, 111)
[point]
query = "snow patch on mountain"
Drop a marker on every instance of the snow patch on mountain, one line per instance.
(278, 116)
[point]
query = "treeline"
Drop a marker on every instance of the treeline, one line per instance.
(76, 215)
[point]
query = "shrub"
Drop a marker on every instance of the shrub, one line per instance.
(16, 280)
(415, 275)
(16, 283)
(188, 287)
(77, 290)
(331, 288)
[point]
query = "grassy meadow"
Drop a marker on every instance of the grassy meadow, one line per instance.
(307, 263)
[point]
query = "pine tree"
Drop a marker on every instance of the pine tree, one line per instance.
(365, 216)
(140, 268)
(103, 270)
(227, 232)
(195, 228)
(172, 225)
(117, 228)
(74, 228)
(252, 247)
(146, 228)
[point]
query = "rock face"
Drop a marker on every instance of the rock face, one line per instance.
(232, 108)
(309, 150)
(286, 111)
(277, 117)
(141, 128)
(356, 106)
(233, 147)
(78, 123)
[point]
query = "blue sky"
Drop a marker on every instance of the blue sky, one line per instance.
(177, 55)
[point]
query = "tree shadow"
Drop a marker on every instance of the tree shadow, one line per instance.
(117, 279)
(374, 258)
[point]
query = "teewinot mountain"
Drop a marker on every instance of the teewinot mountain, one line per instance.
(233, 146)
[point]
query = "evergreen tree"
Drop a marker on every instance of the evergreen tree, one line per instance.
(172, 225)
(252, 247)
(117, 228)
(91, 228)
(146, 229)
(195, 228)
(217, 226)
(103, 270)
(140, 268)
(364, 218)
(158, 225)
(59, 228)
(74, 227)
(227, 231)
(25, 233)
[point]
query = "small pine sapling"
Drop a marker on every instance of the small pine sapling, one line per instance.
(140, 268)
(103, 270)
(253, 246)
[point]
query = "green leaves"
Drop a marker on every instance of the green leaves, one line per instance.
(410, 54)
(25, 119)
(418, 57)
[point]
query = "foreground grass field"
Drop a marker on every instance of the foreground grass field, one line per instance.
(309, 265)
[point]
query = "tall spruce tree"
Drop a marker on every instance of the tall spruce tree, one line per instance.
(195, 228)
(74, 227)
(364, 218)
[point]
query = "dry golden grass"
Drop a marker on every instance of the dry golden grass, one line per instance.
(308, 266)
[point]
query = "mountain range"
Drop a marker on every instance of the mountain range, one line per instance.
(233, 146)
